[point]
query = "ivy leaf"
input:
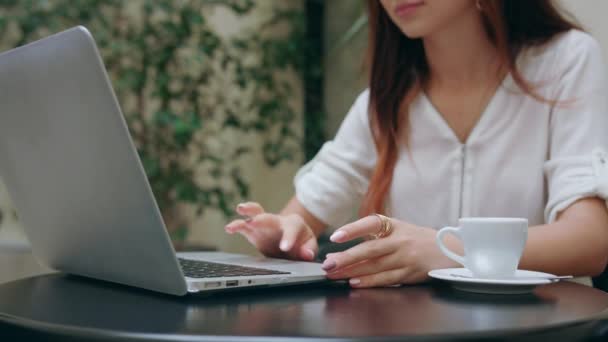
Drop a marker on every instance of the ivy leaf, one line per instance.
(186, 191)
(164, 117)
(180, 234)
(195, 18)
(241, 151)
(232, 121)
(183, 131)
(216, 173)
(240, 182)
(151, 166)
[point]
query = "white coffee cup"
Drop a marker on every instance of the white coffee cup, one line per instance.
(492, 246)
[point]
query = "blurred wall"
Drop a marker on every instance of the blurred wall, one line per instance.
(344, 76)
(592, 15)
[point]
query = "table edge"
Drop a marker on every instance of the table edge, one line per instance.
(77, 331)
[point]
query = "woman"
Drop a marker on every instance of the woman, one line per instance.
(474, 108)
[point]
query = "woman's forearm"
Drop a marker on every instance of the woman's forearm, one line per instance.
(576, 243)
(295, 207)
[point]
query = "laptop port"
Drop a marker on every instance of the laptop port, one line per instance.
(212, 284)
(230, 283)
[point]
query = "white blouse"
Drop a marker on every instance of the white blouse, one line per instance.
(524, 158)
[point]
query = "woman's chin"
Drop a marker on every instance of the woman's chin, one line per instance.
(414, 31)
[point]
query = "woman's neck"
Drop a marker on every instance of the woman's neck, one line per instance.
(461, 54)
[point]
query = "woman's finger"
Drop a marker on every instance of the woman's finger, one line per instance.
(236, 226)
(241, 227)
(292, 233)
(367, 267)
(360, 228)
(309, 249)
(363, 251)
(386, 278)
(249, 209)
(265, 221)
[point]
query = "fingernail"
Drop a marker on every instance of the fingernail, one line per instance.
(354, 281)
(284, 246)
(337, 236)
(309, 253)
(328, 265)
(249, 219)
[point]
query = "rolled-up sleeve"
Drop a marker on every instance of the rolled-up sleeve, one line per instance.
(334, 182)
(577, 165)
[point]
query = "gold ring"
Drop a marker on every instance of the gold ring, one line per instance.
(386, 227)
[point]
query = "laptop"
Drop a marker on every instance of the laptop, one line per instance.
(74, 176)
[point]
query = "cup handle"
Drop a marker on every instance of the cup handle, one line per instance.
(455, 231)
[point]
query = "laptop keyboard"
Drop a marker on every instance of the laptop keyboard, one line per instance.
(206, 269)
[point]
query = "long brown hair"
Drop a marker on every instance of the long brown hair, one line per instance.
(398, 69)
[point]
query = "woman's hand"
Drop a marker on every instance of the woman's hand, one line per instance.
(278, 236)
(403, 257)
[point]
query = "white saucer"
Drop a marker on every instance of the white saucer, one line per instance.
(522, 282)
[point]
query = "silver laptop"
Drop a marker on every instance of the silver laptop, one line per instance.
(79, 188)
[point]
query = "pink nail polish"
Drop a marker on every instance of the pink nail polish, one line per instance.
(284, 246)
(328, 265)
(309, 253)
(338, 235)
(354, 281)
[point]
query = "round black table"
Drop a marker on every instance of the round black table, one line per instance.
(61, 306)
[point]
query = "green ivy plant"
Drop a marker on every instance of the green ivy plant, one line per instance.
(188, 93)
